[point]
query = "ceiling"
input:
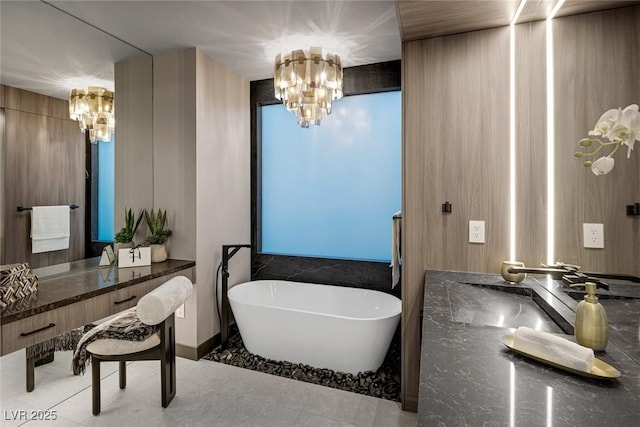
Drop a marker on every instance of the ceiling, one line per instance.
(432, 18)
(50, 47)
(45, 50)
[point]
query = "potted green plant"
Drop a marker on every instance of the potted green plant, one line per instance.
(124, 238)
(159, 235)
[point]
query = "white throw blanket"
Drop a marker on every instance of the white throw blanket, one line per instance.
(125, 326)
(50, 228)
(556, 349)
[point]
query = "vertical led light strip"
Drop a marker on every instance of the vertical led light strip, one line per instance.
(512, 395)
(512, 132)
(551, 137)
(549, 406)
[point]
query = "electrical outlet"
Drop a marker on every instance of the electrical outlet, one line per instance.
(593, 235)
(180, 312)
(476, 231)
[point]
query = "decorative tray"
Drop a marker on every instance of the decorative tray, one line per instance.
(600, 369)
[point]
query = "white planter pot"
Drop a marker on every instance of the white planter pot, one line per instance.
(158, 253)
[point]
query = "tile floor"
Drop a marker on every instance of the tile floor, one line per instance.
(208, 394)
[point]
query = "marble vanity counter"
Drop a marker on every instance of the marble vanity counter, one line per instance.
(468, 377)
(64, 284)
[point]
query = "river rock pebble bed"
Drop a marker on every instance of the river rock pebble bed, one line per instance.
(384, 383)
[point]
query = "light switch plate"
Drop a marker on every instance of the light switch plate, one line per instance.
(593, 235)
(476, 231)
(180, 312)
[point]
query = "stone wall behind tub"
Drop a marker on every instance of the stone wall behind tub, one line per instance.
(338, 272)
(372, 78)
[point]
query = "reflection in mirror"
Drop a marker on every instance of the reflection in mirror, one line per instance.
(587, 77)
(596, 68)
(46, 52)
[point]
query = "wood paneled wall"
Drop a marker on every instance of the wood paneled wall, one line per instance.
(456, 149)
(531, 143)
(597, 67)
(43, 162)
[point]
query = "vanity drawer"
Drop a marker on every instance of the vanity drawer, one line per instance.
(32, 330)
(128, 297)
(114, 302)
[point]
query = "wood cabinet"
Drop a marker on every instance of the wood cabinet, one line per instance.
(36, 328)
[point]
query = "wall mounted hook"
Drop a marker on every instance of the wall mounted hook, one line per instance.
(633, 210)
(446, 207)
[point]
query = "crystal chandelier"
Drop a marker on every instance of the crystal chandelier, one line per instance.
(307, 83)
(94, 112)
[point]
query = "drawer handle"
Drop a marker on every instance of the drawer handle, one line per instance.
(26, 334)
(132, 297)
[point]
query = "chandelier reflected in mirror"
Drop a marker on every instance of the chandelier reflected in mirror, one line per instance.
(307, 83)
(94, 112)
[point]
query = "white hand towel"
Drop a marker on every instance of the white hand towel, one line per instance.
(50, 228)
(556, 349)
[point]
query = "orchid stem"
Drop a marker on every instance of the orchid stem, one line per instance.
(603, 144)
(618, 144)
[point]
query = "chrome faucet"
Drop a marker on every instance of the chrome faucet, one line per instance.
(572, 277)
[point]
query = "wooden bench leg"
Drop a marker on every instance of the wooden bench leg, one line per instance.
(123, 374)
(31, 365)
(168, 361)
(95, 385)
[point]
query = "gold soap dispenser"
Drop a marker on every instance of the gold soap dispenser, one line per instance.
(592, 327)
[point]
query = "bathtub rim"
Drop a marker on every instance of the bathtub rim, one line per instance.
(296, 310)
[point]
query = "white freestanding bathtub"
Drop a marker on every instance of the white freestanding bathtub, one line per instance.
(339, 328)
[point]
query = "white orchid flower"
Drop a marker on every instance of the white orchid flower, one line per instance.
(615, 128)
(632, 107)
(603, 165)
(605, 122)
(629, 127)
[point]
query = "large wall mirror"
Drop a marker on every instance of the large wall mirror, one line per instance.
(48, 49)
(595, 67)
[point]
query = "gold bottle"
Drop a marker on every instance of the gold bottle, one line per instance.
(592, 327)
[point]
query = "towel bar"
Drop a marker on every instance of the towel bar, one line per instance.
(20, 208)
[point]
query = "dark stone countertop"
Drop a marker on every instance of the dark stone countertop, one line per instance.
(63, 284)
(468, 377)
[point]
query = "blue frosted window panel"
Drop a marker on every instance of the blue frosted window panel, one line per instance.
(106, 180)
(331, 190)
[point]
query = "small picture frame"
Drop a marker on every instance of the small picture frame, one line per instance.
(108, 256)
(134, 257)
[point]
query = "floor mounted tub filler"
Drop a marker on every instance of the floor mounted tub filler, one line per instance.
(333, 327)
